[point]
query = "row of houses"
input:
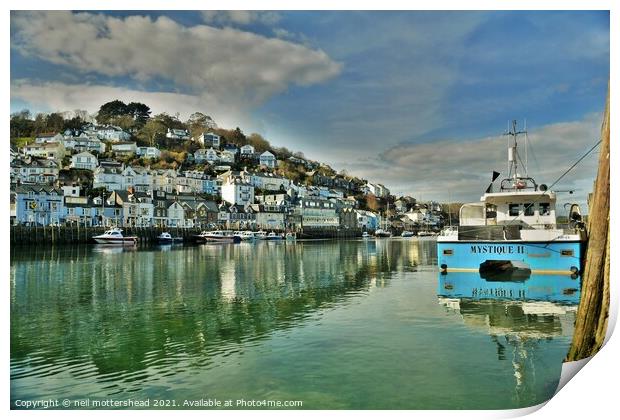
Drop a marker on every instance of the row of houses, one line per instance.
(46, 205)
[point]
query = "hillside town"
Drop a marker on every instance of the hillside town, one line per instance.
(186, 175)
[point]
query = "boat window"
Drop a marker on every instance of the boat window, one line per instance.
(513, 209)
(528, 209)
(543, 209)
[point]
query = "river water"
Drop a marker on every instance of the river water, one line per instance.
(334, 324)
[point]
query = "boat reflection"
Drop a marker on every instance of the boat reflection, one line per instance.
(550, 288)
(517, 314)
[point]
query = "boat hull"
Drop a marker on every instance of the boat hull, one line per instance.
(221, 239)
(557, 257)
(117, 241)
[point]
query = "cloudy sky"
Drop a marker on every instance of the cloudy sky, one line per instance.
(415, 100)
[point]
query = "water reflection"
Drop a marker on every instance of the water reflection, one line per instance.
(517, 315)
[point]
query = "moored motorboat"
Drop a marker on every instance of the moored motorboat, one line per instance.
(167, 238)
(406, 234)
(272, 236)
(224, 236)
(114, 236)
(365, 235)
(514, 228)
(245, 235)
(380, 233)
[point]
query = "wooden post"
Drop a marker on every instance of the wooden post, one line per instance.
(593, 311)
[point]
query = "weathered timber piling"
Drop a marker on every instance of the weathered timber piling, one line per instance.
(593, 311)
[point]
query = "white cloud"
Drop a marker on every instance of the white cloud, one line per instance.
(240, 17)
(461, 170)
(238, 68)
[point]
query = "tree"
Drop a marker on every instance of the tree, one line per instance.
(152, 130)
(21, 124)
(110, 110)
(126, 122)
(198, 123)
(139, 112)
(54, 122)
(75, 124)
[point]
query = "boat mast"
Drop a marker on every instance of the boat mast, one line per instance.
(513, 154)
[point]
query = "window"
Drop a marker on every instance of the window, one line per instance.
(513, 209)
(544, 209)
(528, 209)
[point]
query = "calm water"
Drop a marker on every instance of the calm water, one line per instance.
(335, 324)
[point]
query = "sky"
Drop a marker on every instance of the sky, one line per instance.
(415, 100)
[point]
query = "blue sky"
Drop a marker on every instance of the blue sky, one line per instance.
(416, 100)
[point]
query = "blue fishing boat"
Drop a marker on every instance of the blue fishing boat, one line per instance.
(513, 228)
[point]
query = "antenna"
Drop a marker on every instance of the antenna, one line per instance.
(513, 154)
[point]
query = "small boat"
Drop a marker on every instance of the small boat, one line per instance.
(273, 237)
(224, 236)
(365, 235)
(290, 236)
(167, 238)
(245, 235)
(380, 233)
(260, 234)
(425, 233)
(406, 234)
(115, 236)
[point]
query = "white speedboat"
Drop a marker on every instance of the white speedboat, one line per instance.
(245, 235)
(260, 234)
(406, 234)
(225, 236)
(167, 238)
(115, 236)
(272, 236)
(380, 233)
(513, 228)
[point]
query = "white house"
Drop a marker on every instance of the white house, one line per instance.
(206, 155)
(110, 178)
(238, 192)
(148, 152)
(138, 178)
(176, 215)
(124, 148)
(268, 159)
(84, 143)
(112, 133)
(378, 190)
(84, 160)
(247, 150)
(177, 134)
(267, 181)
(43, 171)
(209, 139)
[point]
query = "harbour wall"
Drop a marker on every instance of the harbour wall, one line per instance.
(52, 235)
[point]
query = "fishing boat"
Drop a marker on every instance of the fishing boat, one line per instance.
(167, 238)
(513, 228)
(114, 236)
(224, 236)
